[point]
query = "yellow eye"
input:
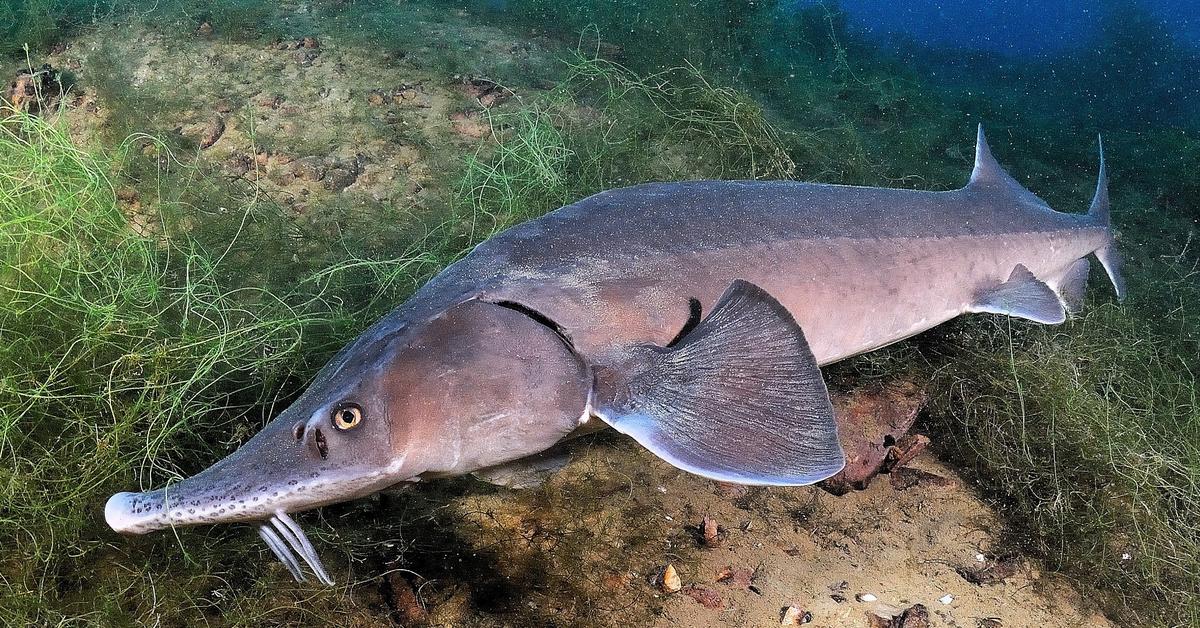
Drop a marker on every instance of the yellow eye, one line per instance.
(347, 416)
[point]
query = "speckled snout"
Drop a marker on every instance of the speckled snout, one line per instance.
(183, 505)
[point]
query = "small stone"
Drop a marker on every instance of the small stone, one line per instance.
(865, 597)
(710, 532)
(310, 43)
(668, 579)
(33, 91)
(401, 598)
(990, 622)
(205, 29)
(915, 617)
(794, 616)
(946, 599)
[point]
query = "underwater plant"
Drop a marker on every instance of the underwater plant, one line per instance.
(122, 349)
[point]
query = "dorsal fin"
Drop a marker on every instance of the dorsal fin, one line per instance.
(987, 169)
(989, 173)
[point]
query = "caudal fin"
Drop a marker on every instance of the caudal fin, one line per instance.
(1108, 255)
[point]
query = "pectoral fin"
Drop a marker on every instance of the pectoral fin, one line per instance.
(527, 472)
(739, 398)
(1023, 296)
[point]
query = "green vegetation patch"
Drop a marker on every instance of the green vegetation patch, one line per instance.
(124, 358)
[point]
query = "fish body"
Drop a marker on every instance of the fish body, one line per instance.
(691, 316)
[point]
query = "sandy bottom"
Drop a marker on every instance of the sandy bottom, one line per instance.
(585, 549)
(903, 547)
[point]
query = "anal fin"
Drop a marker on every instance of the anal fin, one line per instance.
(1073, 285)
(1024, 296)
(739, 398)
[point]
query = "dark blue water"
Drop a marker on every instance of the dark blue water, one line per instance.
(1014, 27)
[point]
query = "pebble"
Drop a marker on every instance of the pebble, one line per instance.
(668, 579)
(795, 616)
(710, 532)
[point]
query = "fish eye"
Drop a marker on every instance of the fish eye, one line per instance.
(347, 416)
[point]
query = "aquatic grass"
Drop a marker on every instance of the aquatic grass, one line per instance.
(41, 23)
(127, 359)
(606, 126)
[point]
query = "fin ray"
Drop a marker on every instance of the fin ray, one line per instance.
(738, 399)
(1023, 296)
(1073, 285)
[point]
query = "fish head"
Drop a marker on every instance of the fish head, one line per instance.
(479, 384)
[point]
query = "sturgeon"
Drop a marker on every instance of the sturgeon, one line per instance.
(691, 316)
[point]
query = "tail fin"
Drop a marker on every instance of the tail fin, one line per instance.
(1108, 255)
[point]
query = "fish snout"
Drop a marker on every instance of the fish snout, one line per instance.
(133, 513)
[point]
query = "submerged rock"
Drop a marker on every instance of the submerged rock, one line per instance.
(710, 532)
(871, 422)
(34, 91)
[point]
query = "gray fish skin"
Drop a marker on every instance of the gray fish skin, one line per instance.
(496, 358)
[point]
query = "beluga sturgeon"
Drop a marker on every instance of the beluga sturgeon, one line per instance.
(692, 316)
